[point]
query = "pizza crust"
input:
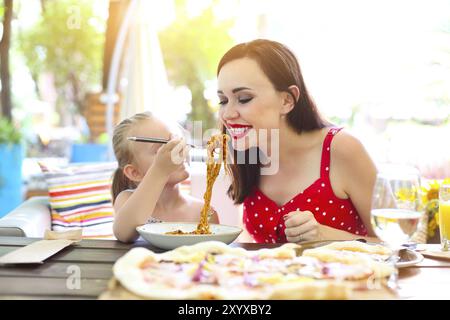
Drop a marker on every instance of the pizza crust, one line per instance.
(316, 290)
(358, 246)
(286, 251)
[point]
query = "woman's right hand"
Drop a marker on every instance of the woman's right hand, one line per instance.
(171, 155)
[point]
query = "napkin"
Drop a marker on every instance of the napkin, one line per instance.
(38, 251)
(444, 255)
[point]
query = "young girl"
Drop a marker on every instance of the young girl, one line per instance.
(146, 183)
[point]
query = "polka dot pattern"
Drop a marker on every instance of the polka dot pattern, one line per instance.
(264, 219)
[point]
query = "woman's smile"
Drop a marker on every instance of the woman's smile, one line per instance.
(238, 131)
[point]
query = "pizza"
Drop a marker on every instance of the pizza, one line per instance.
(214, 270)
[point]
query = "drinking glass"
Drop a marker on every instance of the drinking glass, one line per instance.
(444, 216)
(395, 213)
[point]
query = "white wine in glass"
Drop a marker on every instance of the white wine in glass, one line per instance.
(395, 226)
(395, 214)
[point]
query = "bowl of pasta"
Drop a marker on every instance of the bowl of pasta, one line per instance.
(171, 235)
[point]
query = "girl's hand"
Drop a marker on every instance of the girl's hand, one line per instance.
(171, 156)
(301, 226)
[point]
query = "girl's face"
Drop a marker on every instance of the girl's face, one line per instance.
(249, 103)
(145, 153)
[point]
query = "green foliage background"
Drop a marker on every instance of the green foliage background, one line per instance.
(192, 48)
(9, 134)
(67, 42)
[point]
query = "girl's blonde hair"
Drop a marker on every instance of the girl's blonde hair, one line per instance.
(123, 153)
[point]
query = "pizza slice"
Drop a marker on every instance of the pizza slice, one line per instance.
(355, 253)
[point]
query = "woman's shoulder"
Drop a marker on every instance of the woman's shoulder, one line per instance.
(349, 157)
(346, 147)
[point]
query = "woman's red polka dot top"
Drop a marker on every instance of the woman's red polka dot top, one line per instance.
(263, 218)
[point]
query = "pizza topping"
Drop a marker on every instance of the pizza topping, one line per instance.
(199, 273)
(325, 270)
(210, 257)
(250, 280)
(203, 275)
(270, 278)
(147, 263)
(228, 260)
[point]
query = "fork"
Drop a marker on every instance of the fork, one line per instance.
(155, 140)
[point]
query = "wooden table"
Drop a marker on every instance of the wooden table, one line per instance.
(92, 260)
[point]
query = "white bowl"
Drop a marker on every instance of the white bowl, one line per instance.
(155, 234)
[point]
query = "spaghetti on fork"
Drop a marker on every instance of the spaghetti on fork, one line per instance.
(219, 141)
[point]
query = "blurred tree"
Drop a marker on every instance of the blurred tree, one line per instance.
(5, 45)
(192, 47)
(66, 42)
(116, 13)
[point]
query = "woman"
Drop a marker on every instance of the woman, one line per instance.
(322, 188)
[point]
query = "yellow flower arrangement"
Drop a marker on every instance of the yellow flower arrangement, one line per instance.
(430, 201)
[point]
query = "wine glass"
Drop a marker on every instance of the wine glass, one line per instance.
(395, 213)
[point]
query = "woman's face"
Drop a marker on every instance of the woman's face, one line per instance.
(145, 153)
(249, 103)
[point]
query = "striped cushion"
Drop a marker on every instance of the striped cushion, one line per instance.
(80, 197)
